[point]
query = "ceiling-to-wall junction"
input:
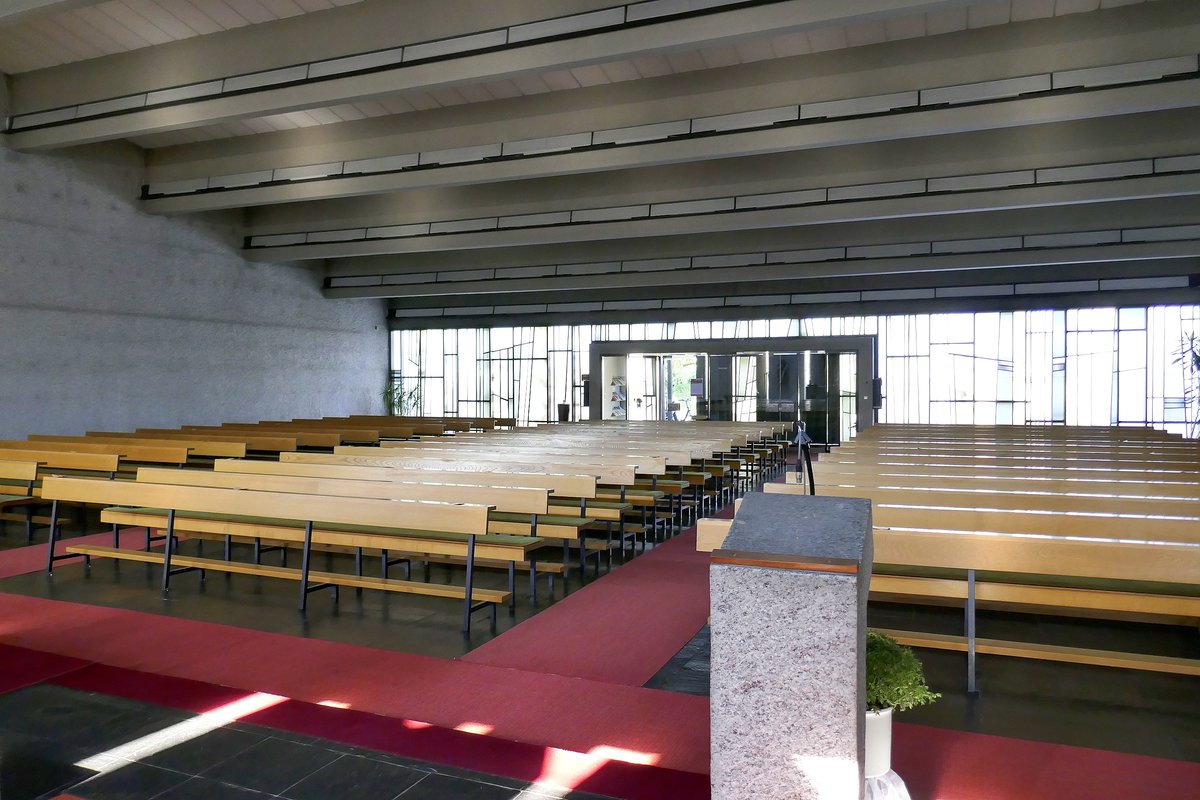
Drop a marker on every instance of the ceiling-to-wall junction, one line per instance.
(668, 159)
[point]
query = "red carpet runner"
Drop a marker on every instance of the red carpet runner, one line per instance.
(23, 560)
(621, 629)
(535, 708)
(937, 764)
(544, 694)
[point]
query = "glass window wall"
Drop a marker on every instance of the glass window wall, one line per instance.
(1097, 366)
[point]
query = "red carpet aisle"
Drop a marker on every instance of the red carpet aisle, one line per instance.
(937, 764)
(23, 560)
(940, 764)
(530, 707)
(621, 629)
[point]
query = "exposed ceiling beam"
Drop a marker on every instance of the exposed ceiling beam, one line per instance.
(756, 279)
(998, 225)
(344, 151)
(830, 213)
(977, 279)
(707, 29)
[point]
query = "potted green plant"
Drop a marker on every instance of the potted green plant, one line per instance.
(400, 401)
(895, 682)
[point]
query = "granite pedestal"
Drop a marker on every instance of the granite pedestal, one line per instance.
(789, 602)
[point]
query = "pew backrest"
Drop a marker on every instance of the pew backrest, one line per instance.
(408, 514)
(565, 485)
(520, 500)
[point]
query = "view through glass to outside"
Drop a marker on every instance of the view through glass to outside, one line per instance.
(1098, 366)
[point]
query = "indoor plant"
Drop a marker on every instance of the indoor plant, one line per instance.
(398, 400)
(895, 682)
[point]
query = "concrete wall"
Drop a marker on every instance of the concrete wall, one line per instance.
(113, 319)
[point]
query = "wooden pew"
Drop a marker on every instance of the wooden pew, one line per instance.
(60, 462)
(351, 435)
(457, 529)
(521, 511)
(647, 465)
(562, 484)
(604, 473)
(662, 459)
(253, 442)
(993, 562)
(570, 529)
(320, 439)
(128, 455)
(1049, 483)
(199, 447)
(662, 454)
(17, 479)
(393, 429)
(451, 424)
(1091, 522)
(1125, 474)
(607, 471)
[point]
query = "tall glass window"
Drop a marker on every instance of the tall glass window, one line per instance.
(1095, 366)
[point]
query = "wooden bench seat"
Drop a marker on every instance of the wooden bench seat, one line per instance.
(496, 546)
(1047, 652)
(478, 595)
(604, 473)
(196, 448)
(450, 528)
(1063, 575)
(128, 455)
(253, 442)
(17, 479)
(519, 510)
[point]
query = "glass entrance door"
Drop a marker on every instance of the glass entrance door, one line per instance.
(682, 386)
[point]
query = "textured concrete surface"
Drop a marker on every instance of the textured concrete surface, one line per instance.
(787, 654)
(817, 527)
(113, 319)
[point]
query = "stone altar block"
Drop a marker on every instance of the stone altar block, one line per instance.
(788, 604)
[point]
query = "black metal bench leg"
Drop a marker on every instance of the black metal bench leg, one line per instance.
(512, 587)
(53, 538)
(468, 600)
(972, 688)
(532, 580)
(304, 562)
(608, 539)
(167, 550)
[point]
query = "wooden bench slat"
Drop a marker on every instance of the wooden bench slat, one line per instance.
(1046, 652)
(292, 573)
(486, 546)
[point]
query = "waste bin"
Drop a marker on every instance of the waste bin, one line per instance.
(564, 412)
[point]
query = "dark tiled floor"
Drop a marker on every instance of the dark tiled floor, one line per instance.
(50, 737)
(1146, 713)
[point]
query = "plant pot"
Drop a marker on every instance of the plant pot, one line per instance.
(878, 746)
